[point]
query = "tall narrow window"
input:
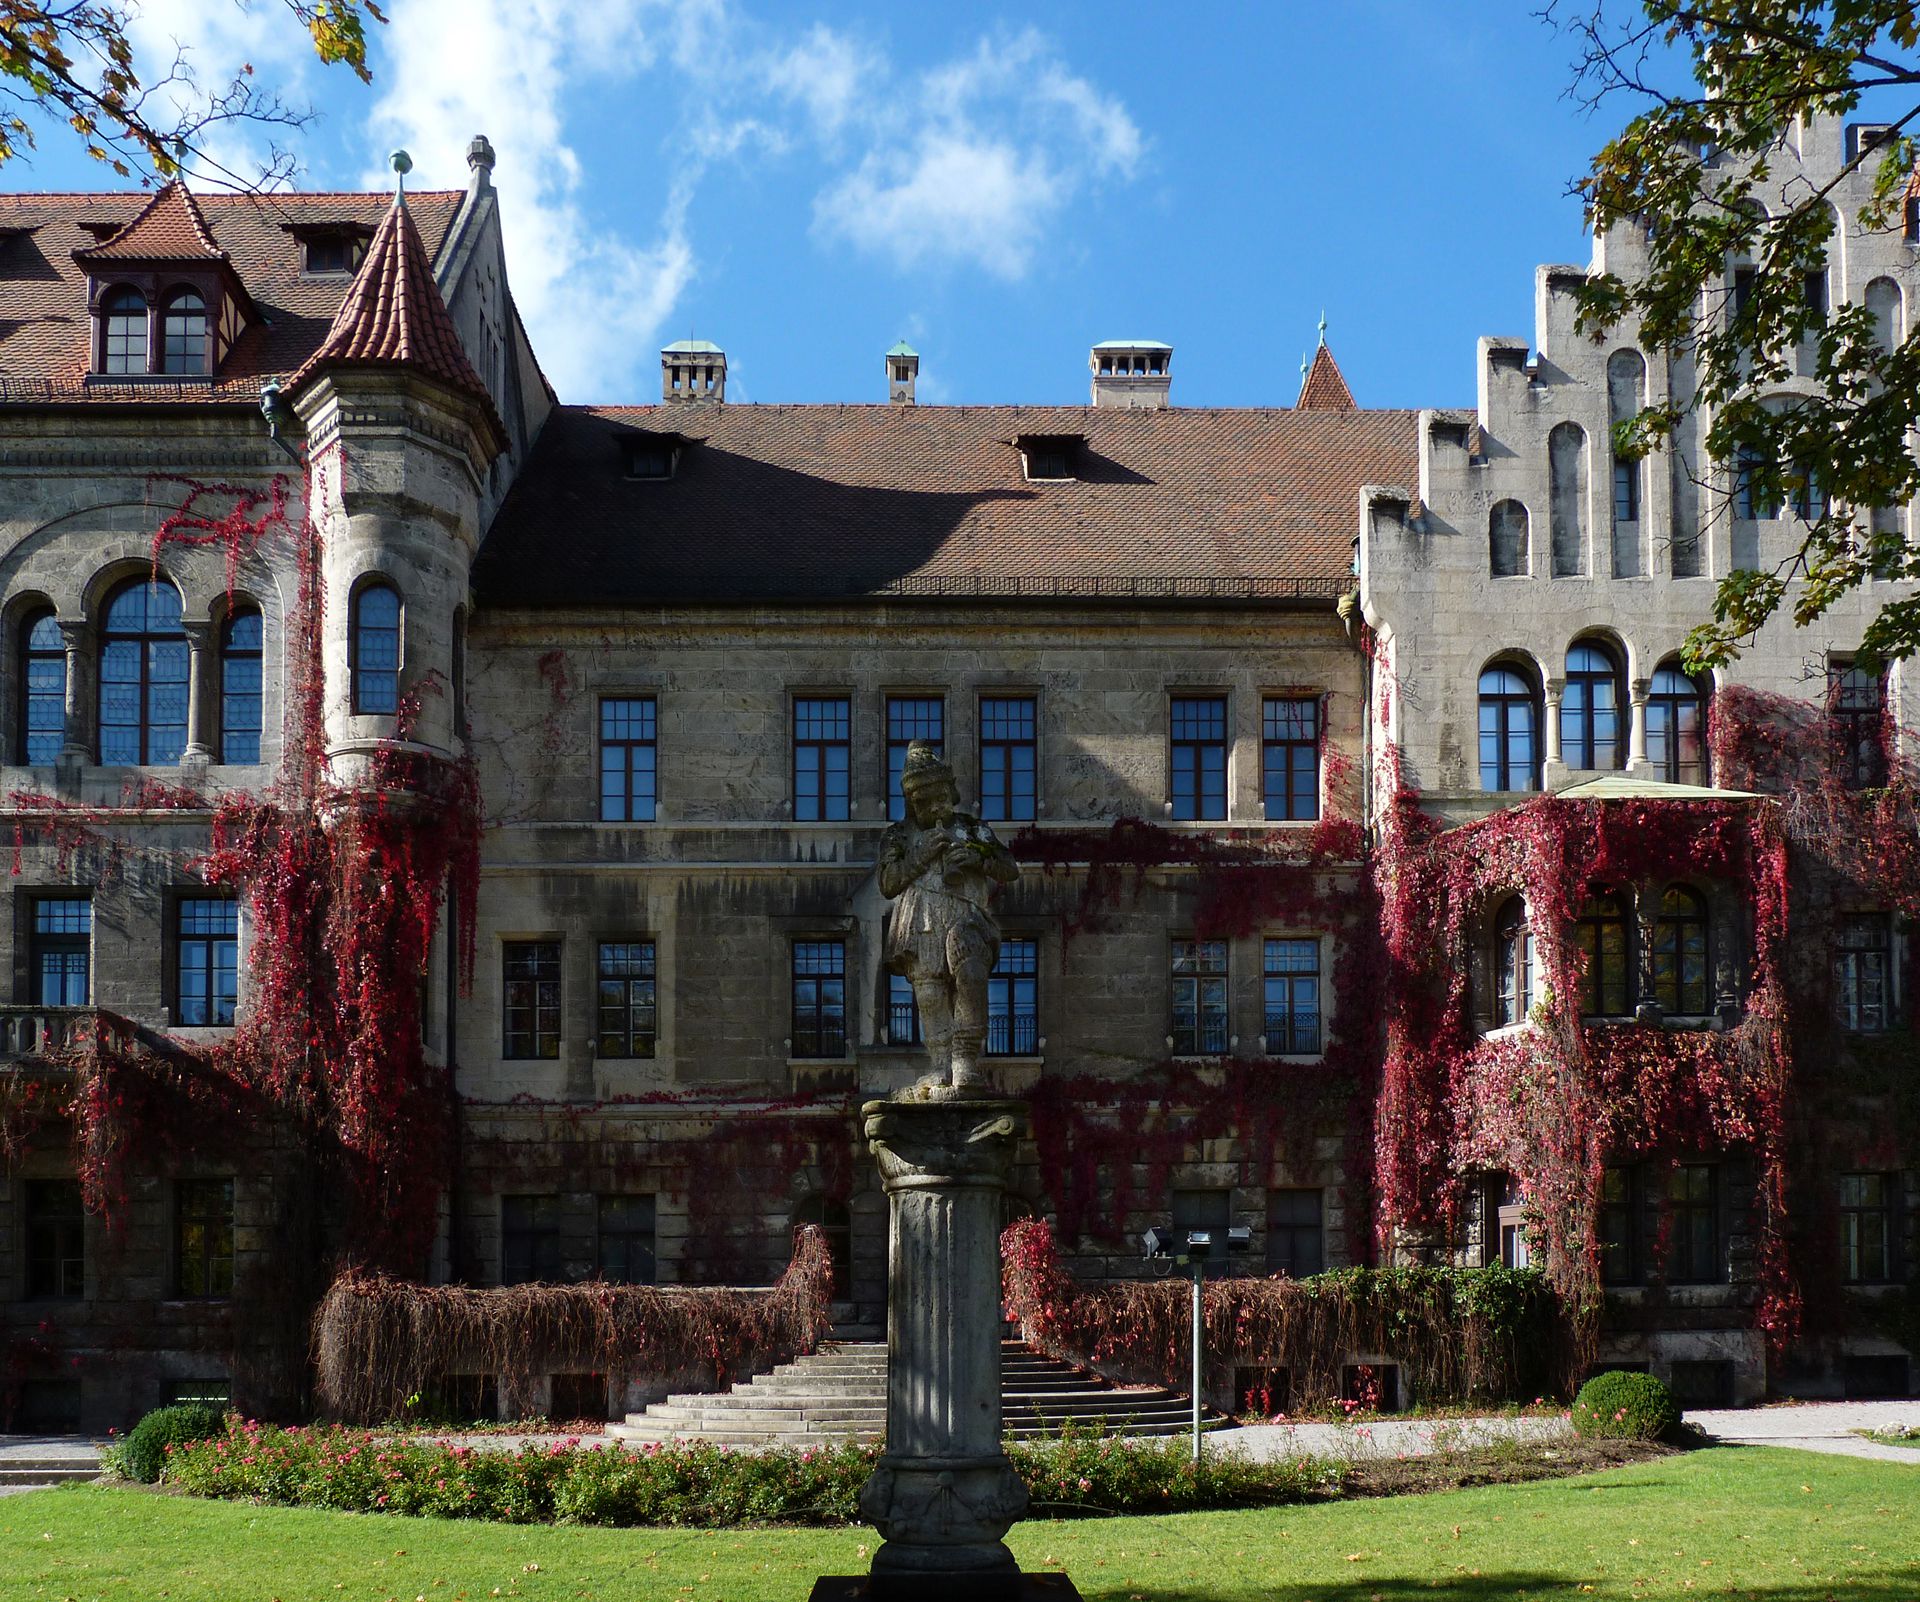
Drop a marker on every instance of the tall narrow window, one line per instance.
(834, 1221)
(1013, 999)
(43, 690)
(1601, 936)
(626, 1236)
(203, 1238)
(1509, 725)
(143, 676)
(1567, 499)
(183, 336)
(376, 650)
(629, 759)
(1863, 973)
(241, 641)
(1859, 702)
(1513, 958)
(123, 333)
(1680, 952)
(530, 1241)
(1866, 1229)
(910, 718)
(1290, 982)
(59, 950)
(1626, 492)
(903, 1011)
(1296, 1232)
(627, 1002)
(1754, 493)
(1626, 396)
(1677, 726)
(822, 759)
(208, 957)
(530, 998)
(1810, 498)
(819, 998)
(1199, 997)
(1008, 758)
(1590, 709)
(1199, 739)
(1290, 756)
(1507, 540)
(1694, 1255)
(1618, 1222)
(56, 1240)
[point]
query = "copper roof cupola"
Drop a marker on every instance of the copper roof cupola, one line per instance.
(163, 297)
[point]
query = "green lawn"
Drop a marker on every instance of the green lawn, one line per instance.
(1748, 1522)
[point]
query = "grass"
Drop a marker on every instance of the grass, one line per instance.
(1749, 1522)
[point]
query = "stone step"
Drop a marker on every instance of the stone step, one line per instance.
(63, 1472)
(640, 1434)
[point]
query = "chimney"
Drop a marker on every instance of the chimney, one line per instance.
(903, 367)
(693, 370)
(1132, 373)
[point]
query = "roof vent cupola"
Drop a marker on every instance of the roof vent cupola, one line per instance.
(1132, 373)
(903, 367)
(693, 370)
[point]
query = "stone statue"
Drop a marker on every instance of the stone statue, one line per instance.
(939, 866)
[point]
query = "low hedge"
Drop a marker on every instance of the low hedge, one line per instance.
(143, 1454)
(696, 1484)
(1622, 1406)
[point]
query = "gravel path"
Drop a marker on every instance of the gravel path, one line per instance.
(1817, 1427)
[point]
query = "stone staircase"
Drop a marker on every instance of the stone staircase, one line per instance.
(840, 1392)
(34, 1462)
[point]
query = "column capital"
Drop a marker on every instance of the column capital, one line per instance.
(1555, 688)
(944, 1144)
(76, 632)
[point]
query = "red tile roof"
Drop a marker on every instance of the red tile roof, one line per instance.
(1324, 388)
(172, 228)
(831, 502)
(394, 316)
(45, 341)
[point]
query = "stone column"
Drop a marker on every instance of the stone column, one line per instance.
(80, 705)
(943, 1494)
(1637, 691)
(1553, 771)
(201, 701)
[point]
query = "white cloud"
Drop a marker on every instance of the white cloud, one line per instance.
(454, 68)
(977, 158)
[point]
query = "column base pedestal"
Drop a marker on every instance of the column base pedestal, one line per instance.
(942, 1588)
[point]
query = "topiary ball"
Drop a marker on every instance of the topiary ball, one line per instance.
(1622, 1406)
(144, 1453)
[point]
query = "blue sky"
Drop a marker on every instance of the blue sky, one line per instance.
(1001, 187)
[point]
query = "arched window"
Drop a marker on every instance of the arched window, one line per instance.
(1513, 957)
(1626, 395)
(1680, 952)
(1601, 934)
(143, 675)
(836, 1223)
(123, 332)
(376, 649)
(1509, 731)
(1677, 726)
(1590, 708)
(241, 642)
(43, 689)
(183, 336)
(1507, 540)
(1567, 499)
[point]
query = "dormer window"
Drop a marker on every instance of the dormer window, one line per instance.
(653, 459)
(123, 332)
(332, 253)
(1049, 456)
(183, 346)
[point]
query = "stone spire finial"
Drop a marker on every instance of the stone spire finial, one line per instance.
(480, 160)
(402, 164)
(1323, 326)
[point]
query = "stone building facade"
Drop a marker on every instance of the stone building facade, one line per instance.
(290, 520)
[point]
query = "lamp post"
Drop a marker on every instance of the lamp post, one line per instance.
(1193, 1249)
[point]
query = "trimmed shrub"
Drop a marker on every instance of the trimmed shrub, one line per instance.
(1619, 1405)
(143, 1454)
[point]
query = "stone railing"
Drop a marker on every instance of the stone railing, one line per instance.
(41, 1032)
